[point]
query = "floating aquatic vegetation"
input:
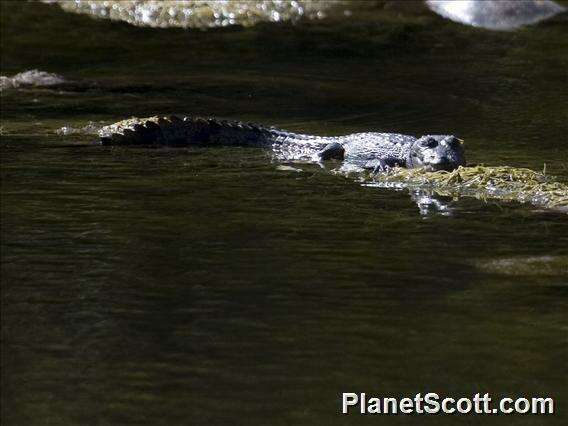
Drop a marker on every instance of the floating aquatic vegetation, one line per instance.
(482, 182)
(31, 78)
(199, 13)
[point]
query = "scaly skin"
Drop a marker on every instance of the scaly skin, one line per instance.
(377, 151)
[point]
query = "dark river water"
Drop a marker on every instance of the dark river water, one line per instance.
(208, 286)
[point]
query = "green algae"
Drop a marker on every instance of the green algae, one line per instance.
(483, 182)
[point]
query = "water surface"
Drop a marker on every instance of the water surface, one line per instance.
(206, 286)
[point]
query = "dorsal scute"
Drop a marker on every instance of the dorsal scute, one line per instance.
(175, 129)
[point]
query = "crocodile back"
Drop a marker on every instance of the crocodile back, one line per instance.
(174, 130)
(363, 148)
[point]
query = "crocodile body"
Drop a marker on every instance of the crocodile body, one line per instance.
(376, 151)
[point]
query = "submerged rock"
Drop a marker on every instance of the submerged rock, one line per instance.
(526, 265)
(495, 14)
(199, 13)
(90, 128)
(489, 14)
(31, 78)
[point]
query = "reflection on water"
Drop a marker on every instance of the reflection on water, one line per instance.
(206, 286)
(429, 203)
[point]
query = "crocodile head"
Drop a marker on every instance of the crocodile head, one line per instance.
(436, 152)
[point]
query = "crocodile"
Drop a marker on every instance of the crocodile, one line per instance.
(374, 151)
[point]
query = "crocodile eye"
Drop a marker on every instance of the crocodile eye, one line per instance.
(430, 143)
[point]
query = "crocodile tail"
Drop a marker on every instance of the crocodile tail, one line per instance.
(175, 130)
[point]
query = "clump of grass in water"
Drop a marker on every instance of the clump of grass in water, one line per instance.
(504, 183)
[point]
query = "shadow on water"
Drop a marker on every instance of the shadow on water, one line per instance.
(206, 286)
